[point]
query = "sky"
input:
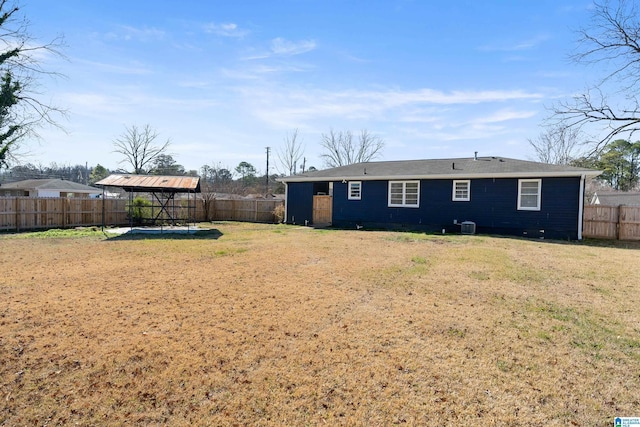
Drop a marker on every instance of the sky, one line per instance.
(223, 80)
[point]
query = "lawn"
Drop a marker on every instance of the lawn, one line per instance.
(273, 325)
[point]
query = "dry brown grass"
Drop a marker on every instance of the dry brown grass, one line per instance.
(277, 325)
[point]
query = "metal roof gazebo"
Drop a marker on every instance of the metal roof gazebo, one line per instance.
(162, 188)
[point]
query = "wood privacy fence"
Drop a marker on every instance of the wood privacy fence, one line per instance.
(248, 210)
(32, 213)
(612, 222)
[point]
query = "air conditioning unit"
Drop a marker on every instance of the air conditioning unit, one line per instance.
(468, 227)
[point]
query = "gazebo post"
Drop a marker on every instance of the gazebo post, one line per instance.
(103, 208)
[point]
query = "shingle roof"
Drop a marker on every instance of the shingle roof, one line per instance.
(50, 184)
(150, 183)
(617, 198)
(461, 168)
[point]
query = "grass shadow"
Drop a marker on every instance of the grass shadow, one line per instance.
(608, 243)
(596, 243)
(429, 234)
(211, 234)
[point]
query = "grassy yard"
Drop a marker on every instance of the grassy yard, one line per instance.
(273, 325)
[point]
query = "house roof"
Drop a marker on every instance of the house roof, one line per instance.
(461, 168)
(617, 198)
(50, 184)
(151, 183)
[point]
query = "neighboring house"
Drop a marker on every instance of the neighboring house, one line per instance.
(490, 195)
(616, 198)
(48, 188)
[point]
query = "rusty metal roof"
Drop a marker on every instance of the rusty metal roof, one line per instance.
(151, 183)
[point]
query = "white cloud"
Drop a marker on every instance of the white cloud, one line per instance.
(126, 32)
(421, 115)
(354, 103)
(280, 46)
(128, 101)
(226, 30)
(505, 115)
(194, 84)
(131, 69)
(432, 115)
(430, 96)
(516, 46)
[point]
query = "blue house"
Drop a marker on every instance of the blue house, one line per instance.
(489, 195)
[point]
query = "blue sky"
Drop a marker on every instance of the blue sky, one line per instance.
(223, 80)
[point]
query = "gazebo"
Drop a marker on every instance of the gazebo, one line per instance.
(163, 190)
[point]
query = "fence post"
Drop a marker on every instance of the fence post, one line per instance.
(618, 223)
(64, 213)
(17, 215)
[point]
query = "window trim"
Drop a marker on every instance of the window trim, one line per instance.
(350, 196)
(538, 195)
(461, 199)
(404, 203)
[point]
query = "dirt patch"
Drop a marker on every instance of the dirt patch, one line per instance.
(275, 325)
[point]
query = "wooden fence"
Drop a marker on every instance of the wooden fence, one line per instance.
(32, 213)
(612, 222)
(248, 210)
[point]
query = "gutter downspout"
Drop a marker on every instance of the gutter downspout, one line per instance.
(581, 207)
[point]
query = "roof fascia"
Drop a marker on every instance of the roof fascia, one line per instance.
(443, 176)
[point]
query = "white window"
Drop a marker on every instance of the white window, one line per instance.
(461, 191)
(404, 194)
(355, 190)
(529, 191)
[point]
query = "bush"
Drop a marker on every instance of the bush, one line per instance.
(140, 209)
(278, 213)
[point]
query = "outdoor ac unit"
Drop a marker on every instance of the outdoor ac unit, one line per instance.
(468, 227)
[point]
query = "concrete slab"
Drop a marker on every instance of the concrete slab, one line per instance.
(153, 230)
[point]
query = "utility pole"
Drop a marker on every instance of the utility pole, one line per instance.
(267, 174)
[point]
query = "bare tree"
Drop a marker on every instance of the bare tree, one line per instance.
(338, 146)
(21, 112)
(369, 146)
(290, 153)
(208, 203)
(139, 147)
(612, 41)
(558, 145)
(341, 150)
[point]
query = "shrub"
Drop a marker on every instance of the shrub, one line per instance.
(278, 213)
(140, 209)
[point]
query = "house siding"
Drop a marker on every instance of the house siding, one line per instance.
(493, 207)
(45, 193)
(300, 202)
